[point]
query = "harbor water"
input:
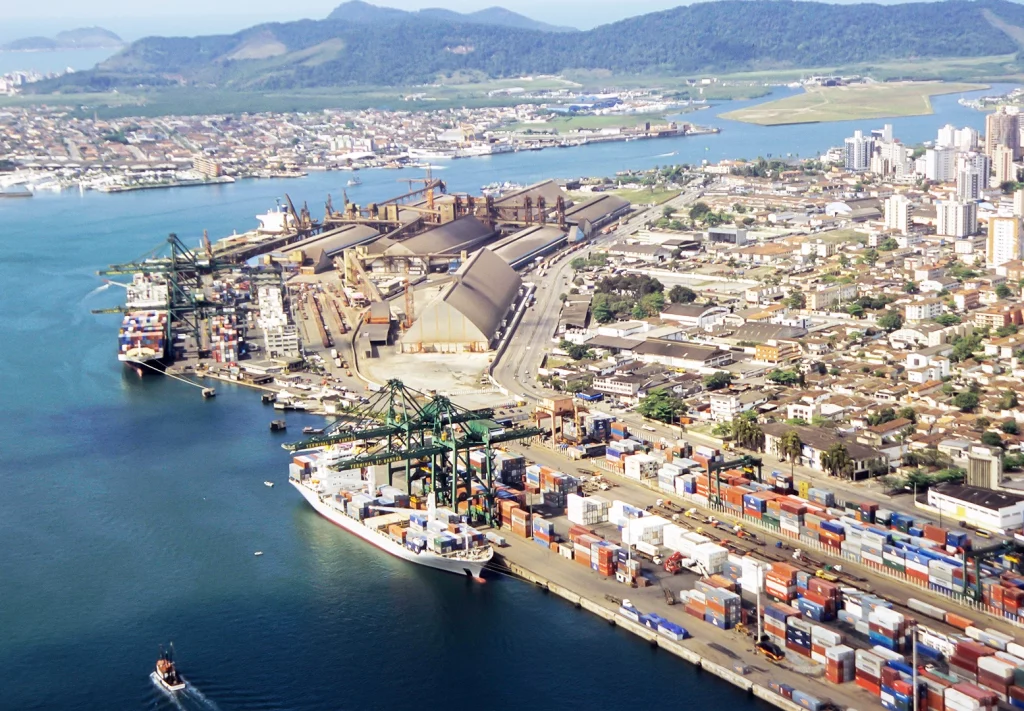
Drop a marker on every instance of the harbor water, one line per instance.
(131, 507)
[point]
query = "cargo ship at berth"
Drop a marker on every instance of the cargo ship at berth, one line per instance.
(142, 338)
(381, 515)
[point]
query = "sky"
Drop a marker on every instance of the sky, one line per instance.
(194, 17)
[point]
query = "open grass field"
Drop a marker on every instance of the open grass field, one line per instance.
(843, 103)
(568, 124)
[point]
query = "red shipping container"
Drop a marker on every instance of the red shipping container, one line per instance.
(867, 685)
(958, 621)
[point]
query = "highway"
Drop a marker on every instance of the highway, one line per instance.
(517, 368)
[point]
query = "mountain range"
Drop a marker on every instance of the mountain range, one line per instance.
(81, 38)
(365, 13)
(360, 44)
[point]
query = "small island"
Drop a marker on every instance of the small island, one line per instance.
(81, 38)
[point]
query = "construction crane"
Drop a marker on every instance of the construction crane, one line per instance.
(431, 435)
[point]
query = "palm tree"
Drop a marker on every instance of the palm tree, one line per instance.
(837, 462)
(791, 447)
(748, 434)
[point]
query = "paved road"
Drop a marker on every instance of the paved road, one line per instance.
(517, 368)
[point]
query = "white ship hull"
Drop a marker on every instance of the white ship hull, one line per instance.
(451, 563)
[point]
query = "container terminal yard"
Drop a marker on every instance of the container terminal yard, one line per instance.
(803, 596)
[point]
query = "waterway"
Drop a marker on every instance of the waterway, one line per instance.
(131, 508)
(55, 61)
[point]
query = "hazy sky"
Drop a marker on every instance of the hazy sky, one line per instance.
(132, 19)
(193, 17)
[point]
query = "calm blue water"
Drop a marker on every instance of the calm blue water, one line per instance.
(131, 508)
(77, 59)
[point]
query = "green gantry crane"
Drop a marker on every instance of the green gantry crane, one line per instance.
(428, 433)
(187, 305)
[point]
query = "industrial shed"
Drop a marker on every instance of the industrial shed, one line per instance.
(316, 253)
(467, 316)
(434, 248)
(524, 246)
(596, 212)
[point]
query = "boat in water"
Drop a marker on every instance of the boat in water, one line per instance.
(382, 516)
(142, 341)
(353, 182)
(166, 674)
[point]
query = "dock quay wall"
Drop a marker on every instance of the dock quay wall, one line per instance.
(670, 646)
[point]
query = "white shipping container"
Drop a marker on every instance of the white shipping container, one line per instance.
(825, 637)
(1015, 649)
(999, 667)
(955, 699)
(711, 556)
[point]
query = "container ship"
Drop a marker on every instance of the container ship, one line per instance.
(142, 340)
(381, 515)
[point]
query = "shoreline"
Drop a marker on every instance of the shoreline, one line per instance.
(677, 649)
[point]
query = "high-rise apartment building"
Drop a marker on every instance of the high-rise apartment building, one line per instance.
(1004, 240)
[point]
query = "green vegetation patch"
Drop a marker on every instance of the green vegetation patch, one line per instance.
(843, 103)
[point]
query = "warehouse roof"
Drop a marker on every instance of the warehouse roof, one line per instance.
(596, 209)
(340, 240)
(985, 498)
(526, 243)
(684, 351)
(483, 291)
(464, 233)
(761, 332)
(548, 189)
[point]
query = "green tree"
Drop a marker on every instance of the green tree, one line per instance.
(855, 310)
(837, 461)
(784, 377)
(888, 244)
(1003, 291)
(680, 294)
(871, 257)
(947, 319)
(796, 300)
(966, 401)
(699, 211)
(747, 433)
(601, 309)
(717, 380)
(907, 413)
(991, 439)
(660, 405)
(890, 321)
(791, 447)
(1008, 400)
(910, 287)
(1010, 427)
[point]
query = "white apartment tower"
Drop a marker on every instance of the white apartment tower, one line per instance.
(1004, 240)
(897, 213)
(969, 183)
(858, 151)
(956, 219)
(940, 164)
(1018, 203)
(1003, 168)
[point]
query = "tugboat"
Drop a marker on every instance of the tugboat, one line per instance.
(166, 674)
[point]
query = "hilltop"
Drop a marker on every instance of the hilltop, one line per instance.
(391, 47)
(81, 38)
(363, 12)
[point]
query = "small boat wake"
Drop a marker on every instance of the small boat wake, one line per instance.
(97, 290)
(667, 155)
(193, 693)
(188, 699)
